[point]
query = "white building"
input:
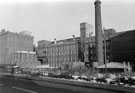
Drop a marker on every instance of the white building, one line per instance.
(24, 59)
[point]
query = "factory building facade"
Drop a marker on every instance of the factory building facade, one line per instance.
(57, 52)
(120, 47)
(70, 50)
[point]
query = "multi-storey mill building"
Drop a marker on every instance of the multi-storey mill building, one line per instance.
(11, 42)
(67, 50)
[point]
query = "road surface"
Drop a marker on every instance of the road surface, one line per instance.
(14, 85)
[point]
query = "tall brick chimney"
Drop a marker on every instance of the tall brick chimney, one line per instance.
(98, 32)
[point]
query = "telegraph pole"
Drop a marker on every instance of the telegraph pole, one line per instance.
(104, 49)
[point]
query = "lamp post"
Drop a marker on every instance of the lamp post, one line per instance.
(6, 50)
(45, 58)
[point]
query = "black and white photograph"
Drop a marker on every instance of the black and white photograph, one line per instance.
(67, 46)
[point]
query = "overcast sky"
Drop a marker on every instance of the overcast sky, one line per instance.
(60, 19)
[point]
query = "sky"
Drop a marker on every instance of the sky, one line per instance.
(60, 19)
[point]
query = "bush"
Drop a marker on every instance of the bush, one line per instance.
(84, 78)
(101, 80)
(50, 75)
(36, 74)
(131, 81)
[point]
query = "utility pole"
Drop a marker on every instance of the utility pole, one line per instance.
(104, 49)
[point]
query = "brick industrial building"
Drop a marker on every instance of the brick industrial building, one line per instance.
(120, 46)
(11, 42)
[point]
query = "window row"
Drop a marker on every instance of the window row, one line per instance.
(55, 65)
(62, 59)
(64, 47)
(61, 53)
(22, 56)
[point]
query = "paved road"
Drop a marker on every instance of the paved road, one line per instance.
(14, 85)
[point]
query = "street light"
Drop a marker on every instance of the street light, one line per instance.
(6, 50)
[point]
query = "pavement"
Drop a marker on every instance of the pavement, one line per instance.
(19, 85)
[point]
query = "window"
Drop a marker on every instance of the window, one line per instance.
(68, 52)
(65, 47)
(74, 46)
(68, 58)
(91, 58)
(74, 52)
(59, 64)
(71, 52)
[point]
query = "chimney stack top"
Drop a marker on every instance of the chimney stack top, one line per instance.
(97, 1)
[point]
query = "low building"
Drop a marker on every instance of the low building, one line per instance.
(24, 59)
